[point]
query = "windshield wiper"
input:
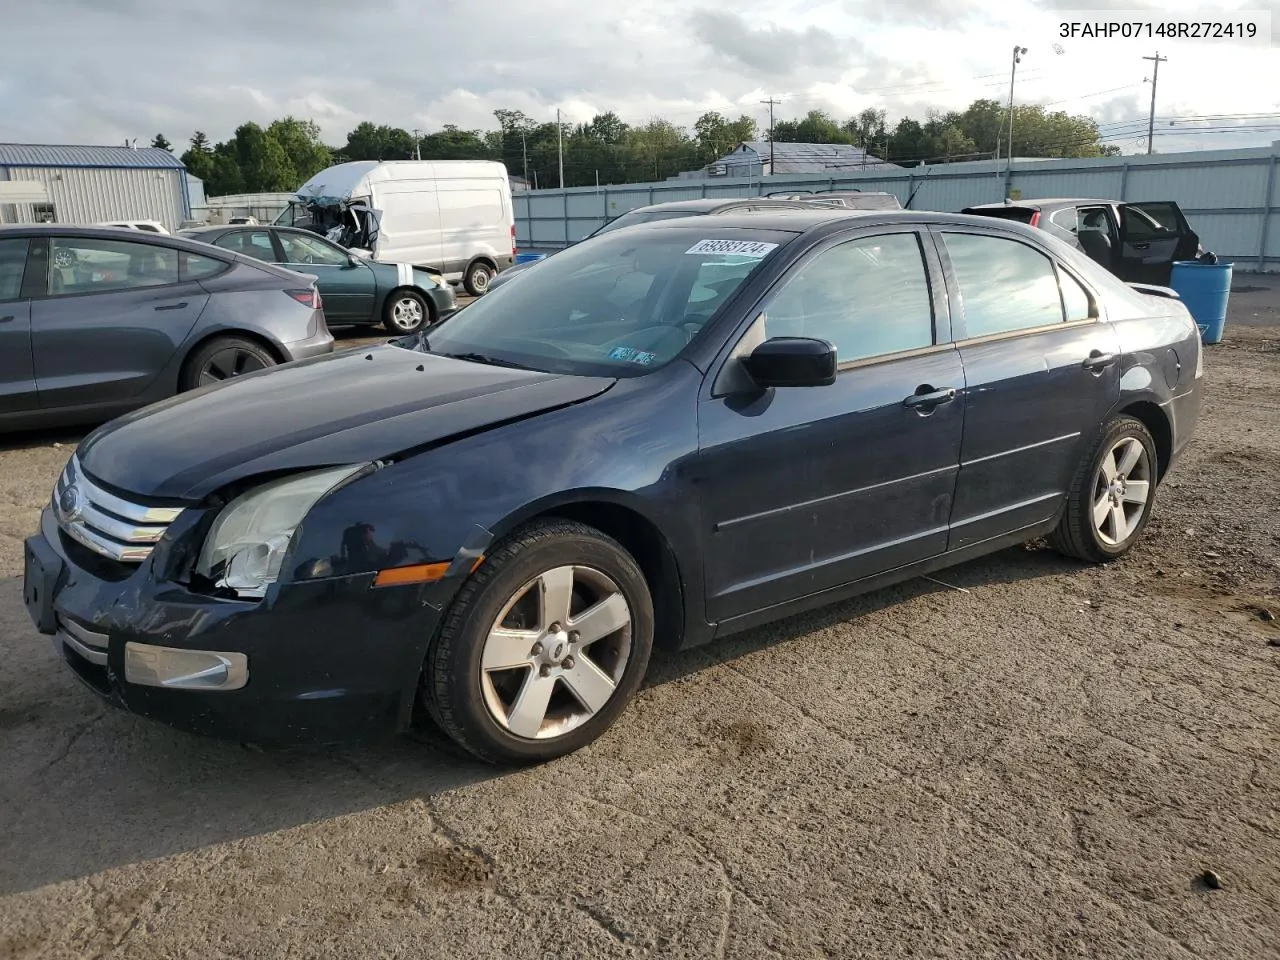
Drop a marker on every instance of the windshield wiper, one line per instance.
(484, 358)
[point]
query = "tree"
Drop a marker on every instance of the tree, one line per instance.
(161, 143)
(371, 142)
(816, 126)
(300, 141)
(453, 143)
(716, 135)
(264, 165)
(199, 158)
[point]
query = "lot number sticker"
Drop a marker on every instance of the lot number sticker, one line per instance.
(742, 248)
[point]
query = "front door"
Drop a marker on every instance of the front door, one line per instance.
(805, 489)
(347, 288)
(1041, 371)
(17, 375)
(114, 314)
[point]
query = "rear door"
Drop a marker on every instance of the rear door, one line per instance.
(1041, 373)
(1152, 236)
(111, 316)
(17, 374)
(347, 288)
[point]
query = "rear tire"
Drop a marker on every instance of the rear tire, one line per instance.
(477, 278)
(1111, 496)
(543, 647)
(223, 358)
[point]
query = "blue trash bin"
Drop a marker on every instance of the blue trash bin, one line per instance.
(1205, 288)
(530, 257)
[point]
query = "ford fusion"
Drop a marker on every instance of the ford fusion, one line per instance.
(663, 435)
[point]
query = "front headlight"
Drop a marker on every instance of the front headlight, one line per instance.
(246, 546)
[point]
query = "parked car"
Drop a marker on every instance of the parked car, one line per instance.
(95, 322)
(356, 290)
(454, 215)
(1138, 242)
(146, 226)
(672, 210)
(243, 221)
(662, 436)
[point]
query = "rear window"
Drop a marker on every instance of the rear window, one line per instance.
(1019, 214)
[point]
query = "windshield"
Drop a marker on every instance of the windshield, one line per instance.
(642, 216)
(618, 305)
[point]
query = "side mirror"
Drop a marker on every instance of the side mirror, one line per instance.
(354, 261)
(792, 362)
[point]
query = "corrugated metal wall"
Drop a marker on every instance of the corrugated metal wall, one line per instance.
(1232, 197)
(95, 194)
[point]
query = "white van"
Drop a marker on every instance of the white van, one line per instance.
(453, 216)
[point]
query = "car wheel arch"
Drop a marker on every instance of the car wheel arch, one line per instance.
(195, 346)
(1152, 416)
(642, 537)
(432, 313)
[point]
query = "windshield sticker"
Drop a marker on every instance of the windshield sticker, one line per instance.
(632, 355)
(743, 248)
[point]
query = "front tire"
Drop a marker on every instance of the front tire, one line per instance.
(1111, 495)
(477, 278)
(543, 647)
(406, 311)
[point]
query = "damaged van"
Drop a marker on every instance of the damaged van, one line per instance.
(451, 216)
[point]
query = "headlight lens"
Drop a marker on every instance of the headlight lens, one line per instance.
(245, 547)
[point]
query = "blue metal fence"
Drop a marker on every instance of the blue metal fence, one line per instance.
(1231, 197)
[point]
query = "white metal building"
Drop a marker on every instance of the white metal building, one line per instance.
(80, 184)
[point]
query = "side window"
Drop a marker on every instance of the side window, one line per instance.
(1075, 298)
(90, 265)
(301, 249)
(1004, 285)
(252, 243)
(196, 267)
(868, 297)
(1150, 221)
(1065, 218)
(13, 260)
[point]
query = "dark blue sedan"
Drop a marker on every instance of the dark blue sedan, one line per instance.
(663, 435)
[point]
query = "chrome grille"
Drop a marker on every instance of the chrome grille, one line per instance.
(105, 523)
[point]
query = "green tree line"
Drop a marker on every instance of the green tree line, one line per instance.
(281, 156)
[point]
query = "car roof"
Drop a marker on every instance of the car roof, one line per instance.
(99, 232)
(1041, 203)
(712, 204)
(803, 219)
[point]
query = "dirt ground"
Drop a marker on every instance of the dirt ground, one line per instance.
(1032, 760)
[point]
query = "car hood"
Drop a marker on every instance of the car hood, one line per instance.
(349, 407)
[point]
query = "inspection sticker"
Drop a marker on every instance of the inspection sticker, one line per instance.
(632, 355)
(742, 248)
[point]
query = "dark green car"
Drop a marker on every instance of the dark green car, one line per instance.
(401, 297)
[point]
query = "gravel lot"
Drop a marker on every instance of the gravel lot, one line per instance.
(1041, 764)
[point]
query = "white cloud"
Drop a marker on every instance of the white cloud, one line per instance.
(100, 71)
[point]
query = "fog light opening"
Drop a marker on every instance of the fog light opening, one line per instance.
(175, 669)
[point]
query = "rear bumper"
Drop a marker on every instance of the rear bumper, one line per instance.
(1184, 413)
(318, 344)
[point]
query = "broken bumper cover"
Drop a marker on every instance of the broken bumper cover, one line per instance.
(325, 661)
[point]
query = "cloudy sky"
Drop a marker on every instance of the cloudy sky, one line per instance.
(98, 71)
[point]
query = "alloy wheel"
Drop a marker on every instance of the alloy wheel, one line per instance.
(1121, 491)
(228, 363)
(556, 652)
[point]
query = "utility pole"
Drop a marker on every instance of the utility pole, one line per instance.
(524, 150)
(1013, 72)
(1155, 75)
(417, 144)
(772, 103)
(560, 143)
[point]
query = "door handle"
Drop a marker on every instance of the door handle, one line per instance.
(1141, 246)
(173, 306)
(1099, 361)
(926, 398)
(8, 319)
